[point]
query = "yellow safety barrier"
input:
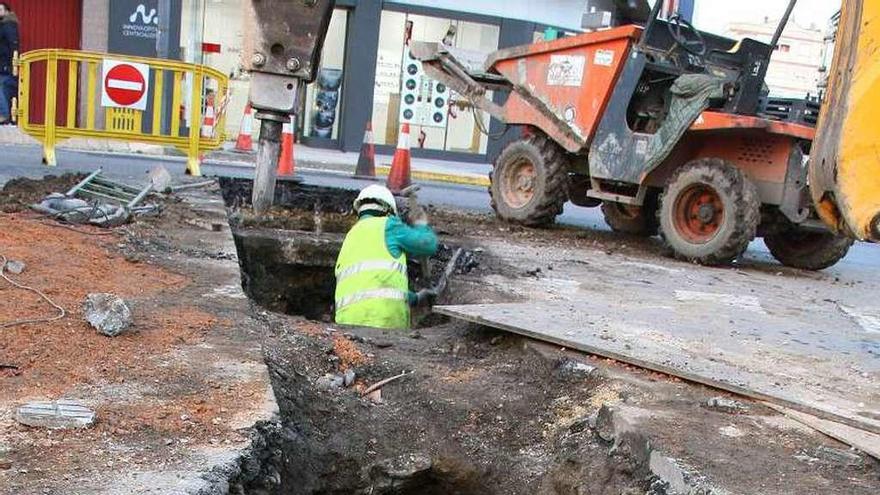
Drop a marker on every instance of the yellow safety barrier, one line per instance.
(167, 126)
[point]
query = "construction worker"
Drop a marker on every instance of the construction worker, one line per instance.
(372, 285)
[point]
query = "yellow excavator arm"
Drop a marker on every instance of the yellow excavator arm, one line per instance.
(845, 157)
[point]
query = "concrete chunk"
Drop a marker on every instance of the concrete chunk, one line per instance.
(108, 313)
(726, 405)
(348, 377)
(844, 457)
(15, 267)
(160, 178)
(55, 415)
(330, 381)
(568, 368)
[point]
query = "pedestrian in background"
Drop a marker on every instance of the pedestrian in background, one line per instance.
(8, 49)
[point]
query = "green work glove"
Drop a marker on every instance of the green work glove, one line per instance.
(425, 298)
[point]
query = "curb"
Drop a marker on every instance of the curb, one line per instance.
(381, 172)
(469, 180)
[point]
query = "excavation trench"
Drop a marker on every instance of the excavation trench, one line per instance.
(288, 255)
(477, 413)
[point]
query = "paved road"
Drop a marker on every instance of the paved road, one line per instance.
(862, 264)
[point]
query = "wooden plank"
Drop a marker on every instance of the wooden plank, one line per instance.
(867, 442)
(701, 346)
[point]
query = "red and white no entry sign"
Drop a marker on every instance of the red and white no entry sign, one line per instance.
(125, 85)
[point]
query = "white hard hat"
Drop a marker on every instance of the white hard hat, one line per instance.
(375, 198)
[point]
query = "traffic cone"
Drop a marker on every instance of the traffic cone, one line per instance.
(286, 163)
(208, 122)
(366, 166)
(245, 141)
(400, 177)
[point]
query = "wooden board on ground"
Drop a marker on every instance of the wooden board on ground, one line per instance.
(868, 443)
(725, 341)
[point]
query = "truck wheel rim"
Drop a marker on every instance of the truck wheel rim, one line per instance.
(698, 213)
(518, 183)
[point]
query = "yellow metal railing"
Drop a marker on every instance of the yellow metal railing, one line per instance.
(83, 84)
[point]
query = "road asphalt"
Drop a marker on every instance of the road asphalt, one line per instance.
(862, 263)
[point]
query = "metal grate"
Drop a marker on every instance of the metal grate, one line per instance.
(95, 186)
(755, 152)
(798, 111)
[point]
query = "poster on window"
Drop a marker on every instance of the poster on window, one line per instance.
(387, 75)
(326, 101)
(134, 27)
(424, 101)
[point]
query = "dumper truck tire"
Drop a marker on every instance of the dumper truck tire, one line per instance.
(529, 182)
(634, 220)
(709, 212)
(807, 250)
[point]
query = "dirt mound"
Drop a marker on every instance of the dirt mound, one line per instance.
(19, 193)
(290, 194)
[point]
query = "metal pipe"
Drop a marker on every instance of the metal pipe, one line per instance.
(782, 23)
(762, 73)
(163, 43)
(143, 194)
(81, 183)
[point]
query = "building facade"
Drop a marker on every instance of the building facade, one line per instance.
(796, 64)
(364, 57)
(360, 78)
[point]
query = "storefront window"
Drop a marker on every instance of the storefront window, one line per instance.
(324, 97)
(458, 131)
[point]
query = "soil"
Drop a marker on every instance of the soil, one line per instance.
(18, 194)
(479, 412)
(67, 266)
(290, 194)
(480, 423)
(154, 406)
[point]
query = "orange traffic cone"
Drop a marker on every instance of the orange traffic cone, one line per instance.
(286, 163)
(400, 177)
(245, 141)
(208, 122)
(366, 166)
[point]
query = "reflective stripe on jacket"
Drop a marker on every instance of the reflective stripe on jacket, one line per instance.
(371, 284)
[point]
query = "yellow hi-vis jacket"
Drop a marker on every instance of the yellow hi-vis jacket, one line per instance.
(371, 285)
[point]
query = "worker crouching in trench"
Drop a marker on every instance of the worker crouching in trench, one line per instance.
(372, 284)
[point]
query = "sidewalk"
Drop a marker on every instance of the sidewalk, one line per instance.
(306, 158)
